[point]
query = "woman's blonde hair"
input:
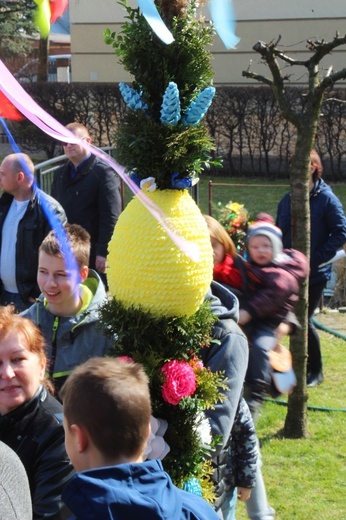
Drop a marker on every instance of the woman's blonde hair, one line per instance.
(218, 232)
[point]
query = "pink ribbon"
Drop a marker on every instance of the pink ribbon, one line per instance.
(39, 117)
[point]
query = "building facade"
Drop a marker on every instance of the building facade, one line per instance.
(295, 21)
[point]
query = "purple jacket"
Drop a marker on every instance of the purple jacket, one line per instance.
(272, 291)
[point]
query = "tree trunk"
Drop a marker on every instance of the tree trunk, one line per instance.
(43, 49)
(296, 418)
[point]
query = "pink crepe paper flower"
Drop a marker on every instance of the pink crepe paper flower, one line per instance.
(180, 381)
(128, 359)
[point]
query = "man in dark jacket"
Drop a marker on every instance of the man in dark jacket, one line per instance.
(89, 191)
(24, 223)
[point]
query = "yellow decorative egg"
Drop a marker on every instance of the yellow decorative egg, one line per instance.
(147, 269)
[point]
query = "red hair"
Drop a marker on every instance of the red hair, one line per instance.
(317, 163)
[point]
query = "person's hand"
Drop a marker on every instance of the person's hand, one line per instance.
(100, 263)
(244, 317)
(243, 494)
(284, 329)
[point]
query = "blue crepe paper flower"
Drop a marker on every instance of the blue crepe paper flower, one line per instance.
(198, 108)
(136, 178)
(170, 108)
(180, 184)
(193, 486)
(131, 97)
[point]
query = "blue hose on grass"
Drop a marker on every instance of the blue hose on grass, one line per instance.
(309, 407)
(319, 325)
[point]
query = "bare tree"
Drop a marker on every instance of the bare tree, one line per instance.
(332, 132)
(305, 120)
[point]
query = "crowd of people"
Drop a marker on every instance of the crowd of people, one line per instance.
(73, 431)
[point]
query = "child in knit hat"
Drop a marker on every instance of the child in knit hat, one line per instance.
(273, 277)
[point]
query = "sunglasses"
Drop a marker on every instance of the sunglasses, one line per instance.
(66, 144)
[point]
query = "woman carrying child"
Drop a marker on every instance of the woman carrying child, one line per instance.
(269, 283)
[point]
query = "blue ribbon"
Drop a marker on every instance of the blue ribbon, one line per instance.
(221, 11)
(223, 17)
(54, 222)
(155, 21)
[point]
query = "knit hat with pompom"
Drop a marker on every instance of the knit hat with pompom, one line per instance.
(265, 228)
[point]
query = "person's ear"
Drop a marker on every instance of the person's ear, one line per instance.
(83, 273)
(43, 364)
(81, 437)
(21, 176)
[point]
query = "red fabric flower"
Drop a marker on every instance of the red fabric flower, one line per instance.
(180, 381)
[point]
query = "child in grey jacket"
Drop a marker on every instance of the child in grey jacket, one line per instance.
(67, 311)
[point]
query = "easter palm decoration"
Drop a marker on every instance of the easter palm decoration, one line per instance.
(157, 308)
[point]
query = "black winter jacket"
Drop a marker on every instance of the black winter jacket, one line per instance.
(92, 200)
(242, 463)
(32, 229)
(35, 432)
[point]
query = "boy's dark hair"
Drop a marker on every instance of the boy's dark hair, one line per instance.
(79, 240)
(111, 399)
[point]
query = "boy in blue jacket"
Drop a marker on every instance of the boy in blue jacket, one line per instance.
(106, 419)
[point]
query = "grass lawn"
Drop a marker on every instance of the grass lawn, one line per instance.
(306, 478)
(256, 194)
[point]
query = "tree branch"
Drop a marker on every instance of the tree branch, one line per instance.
(287, 59)
(258, 77)
(341, 101)
(268, 53)
(330, 79)
(322, 48)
